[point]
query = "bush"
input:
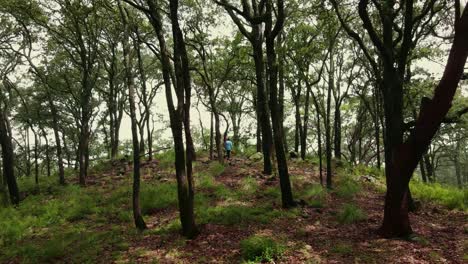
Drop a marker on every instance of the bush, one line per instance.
(261, 248)
(450, 197)
(350, 213)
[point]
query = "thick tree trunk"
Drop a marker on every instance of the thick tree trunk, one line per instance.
(272, 70)
(406, 155)
(8, 160)
(262, 101)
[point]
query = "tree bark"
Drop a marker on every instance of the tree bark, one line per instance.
(137, 217)
(8, 160)
(272, 70)
(406, 155)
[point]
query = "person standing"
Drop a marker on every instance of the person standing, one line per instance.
(228, 148)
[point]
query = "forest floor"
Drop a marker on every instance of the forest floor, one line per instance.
(233, 203)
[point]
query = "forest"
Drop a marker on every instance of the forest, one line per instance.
(233, 131)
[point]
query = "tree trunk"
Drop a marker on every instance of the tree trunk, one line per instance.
(262, 101)
(211, 136)
(319, 138)
(423, 171)
(328, 143)
(337, 130)
(8, 158)
(406, 155)
(47, 154)
(306, 124)
(138, 218)
(272, 70)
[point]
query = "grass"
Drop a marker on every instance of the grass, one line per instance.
(341, 249)
(315, 195)
(347, 188)
(157, 196)
(248, 186)
(349, 214)
(215, 169)
(261, 248)
(166, 159)
(242, 214)
(450, 197)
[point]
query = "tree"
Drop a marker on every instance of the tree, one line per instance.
(177, 75)
(128, 64)
(254, 15)
(394, 47)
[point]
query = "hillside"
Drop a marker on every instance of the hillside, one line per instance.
(238, 211)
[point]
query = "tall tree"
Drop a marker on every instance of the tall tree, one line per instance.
(254, 13)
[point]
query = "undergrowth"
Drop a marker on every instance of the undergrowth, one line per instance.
(258, 248)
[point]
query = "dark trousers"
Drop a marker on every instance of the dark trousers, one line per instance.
(228, 154)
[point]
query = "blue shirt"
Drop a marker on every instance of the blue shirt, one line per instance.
(228, 145)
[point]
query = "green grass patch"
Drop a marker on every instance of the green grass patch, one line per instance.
(450, 197)
(248, 186)
(341, 249)
(215, 169)
(166, 159)
(157, 196)
(350, 213)
(315, 195)
(347, 188)
(242, 214)
(261, 249)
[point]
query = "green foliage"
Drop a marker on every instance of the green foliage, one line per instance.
(450, 197)
(158, 196)
(260, 248)
(347, 188)
(350, 213)
(215, 169)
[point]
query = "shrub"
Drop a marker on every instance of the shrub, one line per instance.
(261, 248)
(349, 214)
(450, 197)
